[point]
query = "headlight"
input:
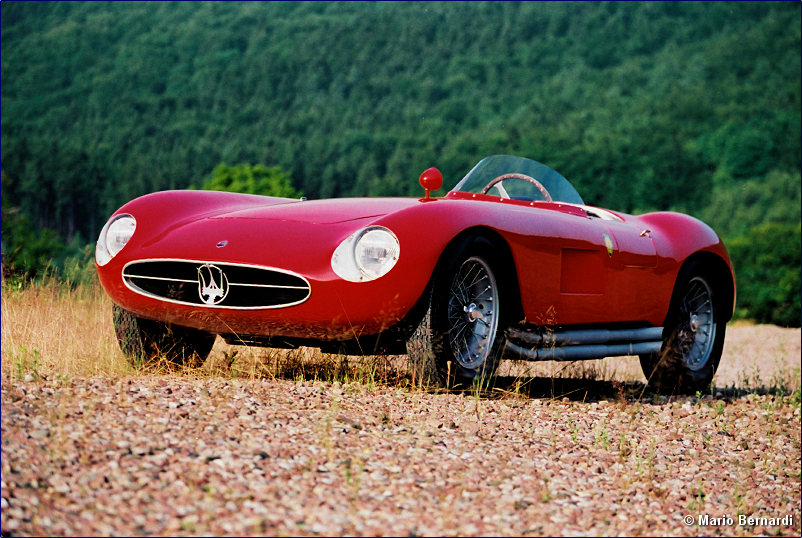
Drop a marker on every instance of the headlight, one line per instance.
(366, 255)
(113, 237)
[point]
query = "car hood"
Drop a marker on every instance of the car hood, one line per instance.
(322, 211)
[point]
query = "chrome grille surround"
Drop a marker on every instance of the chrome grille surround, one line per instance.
(210, 284)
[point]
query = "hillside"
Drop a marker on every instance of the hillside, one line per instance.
(686, 106)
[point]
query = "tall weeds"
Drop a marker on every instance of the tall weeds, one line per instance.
(52, 328)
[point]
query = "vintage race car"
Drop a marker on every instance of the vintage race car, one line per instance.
(509, 264)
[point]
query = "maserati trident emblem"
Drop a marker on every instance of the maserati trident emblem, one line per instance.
(212, 284)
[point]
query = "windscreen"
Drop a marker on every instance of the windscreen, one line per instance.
(494, 166)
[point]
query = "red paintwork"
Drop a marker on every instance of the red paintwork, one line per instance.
(565, 273)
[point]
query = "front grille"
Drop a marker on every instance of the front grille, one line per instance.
(216, 285)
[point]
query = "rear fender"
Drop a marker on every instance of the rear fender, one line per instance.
(684, 239)
(677, 236)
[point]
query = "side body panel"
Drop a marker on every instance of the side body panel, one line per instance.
(571, 268)
(574, 268)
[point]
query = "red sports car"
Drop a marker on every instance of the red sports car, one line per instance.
(509, 264)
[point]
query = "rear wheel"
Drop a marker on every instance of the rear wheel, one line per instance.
(460, 338)
(151, 343)
(693, 337)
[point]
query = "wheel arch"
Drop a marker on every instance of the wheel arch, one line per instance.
(723, 280)
(506, 262)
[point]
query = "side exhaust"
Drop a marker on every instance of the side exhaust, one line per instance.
(582, 344)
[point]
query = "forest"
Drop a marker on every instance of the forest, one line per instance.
(691, 106)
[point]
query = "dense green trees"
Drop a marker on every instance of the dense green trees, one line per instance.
(768, 278)
(654, 105)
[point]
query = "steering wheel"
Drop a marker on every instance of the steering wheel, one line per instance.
(530, 179)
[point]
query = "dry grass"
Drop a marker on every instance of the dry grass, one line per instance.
(50, 329)
(307, 364)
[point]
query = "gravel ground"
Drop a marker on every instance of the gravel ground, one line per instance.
(184, 456)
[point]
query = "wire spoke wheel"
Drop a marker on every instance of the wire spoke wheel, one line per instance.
(473, 312)
(460, 337)
(148, 343)
(697, 328)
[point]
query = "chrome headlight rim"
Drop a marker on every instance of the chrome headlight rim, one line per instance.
(346, 263)
(113, 237)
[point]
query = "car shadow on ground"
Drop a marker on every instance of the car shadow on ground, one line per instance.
(566, 389)
(592, 390)
(580, 388)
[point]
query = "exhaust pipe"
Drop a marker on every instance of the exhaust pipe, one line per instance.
(574, 353)
(582, 344)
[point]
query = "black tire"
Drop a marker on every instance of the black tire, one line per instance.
(460, 338)
(148, 343)
(693, 338)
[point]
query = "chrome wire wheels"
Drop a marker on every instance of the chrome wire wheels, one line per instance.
(473, 312)
(697, 329)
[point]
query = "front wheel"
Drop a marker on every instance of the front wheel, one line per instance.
(693, 337)
(148, 343)
(460, 338)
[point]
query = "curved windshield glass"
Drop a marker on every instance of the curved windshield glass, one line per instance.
(488, 177)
